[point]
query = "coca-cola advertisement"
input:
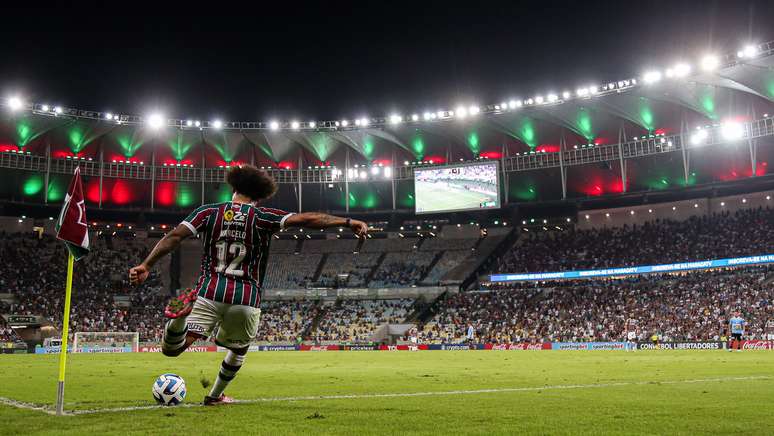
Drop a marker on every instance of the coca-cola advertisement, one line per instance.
(758, 345)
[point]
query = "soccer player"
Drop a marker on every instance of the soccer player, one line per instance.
(235, 237)
(631, 335)
(736, 325)
(769, 330)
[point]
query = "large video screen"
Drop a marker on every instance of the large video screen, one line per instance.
(457, 188)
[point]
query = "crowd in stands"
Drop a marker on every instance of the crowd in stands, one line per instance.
(688, 307)
(400, 270)
(357, 320)
(7, 335)
(285, 321)
(745, 232)
(34, 272)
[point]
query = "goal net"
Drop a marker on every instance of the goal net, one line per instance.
(106, 342)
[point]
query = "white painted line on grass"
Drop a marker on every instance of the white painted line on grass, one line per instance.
(50, 411)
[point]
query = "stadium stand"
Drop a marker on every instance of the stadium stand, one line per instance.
(713, 236)
(692, 306)
(356, 320)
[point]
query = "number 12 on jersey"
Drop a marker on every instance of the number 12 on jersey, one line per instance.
(236, 249)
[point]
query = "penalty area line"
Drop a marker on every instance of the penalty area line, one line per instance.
(48, 410)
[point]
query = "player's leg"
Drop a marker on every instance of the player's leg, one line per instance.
(238, 327)
(191, 318)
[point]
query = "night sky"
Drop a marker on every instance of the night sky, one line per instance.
(332, 60)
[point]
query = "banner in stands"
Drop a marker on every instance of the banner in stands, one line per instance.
(520, 346)
(588, 345)
(681, 346)
(635, 270)
(268, 348)
(404, 347)
(191, 349)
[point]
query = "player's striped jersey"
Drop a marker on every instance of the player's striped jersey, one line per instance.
(236, 239)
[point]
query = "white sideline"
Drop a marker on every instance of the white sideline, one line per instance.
(49, 410)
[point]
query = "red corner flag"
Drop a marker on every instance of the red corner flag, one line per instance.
(72, 227)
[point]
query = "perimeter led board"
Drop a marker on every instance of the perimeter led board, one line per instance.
(456, 188)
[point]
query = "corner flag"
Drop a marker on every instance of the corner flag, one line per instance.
(72, 228)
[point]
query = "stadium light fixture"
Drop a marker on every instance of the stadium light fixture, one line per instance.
(364, 122)
(363, 175)
(414, 117)
(374, 170)
(295, 125)
(395, 119)
(699, 137)
(108, 116)
(312, 124)
(710, 62)
(155, 120)
(679, 70)
(593, 89)
(566, 95)
(539, 99)
(461, 112)
(387, 172)
(427, 116)
(44, 108)
(732, 131)
(189, 123)
(651, 77)
(344, 123)
(15, 103)
(552, 98)
(513, 104)
(582, 92)
(274, 125)
(474, 110)
(748, 51)
(217, 124)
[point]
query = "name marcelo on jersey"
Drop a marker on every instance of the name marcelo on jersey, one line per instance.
(234, 219)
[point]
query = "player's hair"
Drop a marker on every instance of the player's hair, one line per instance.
(251, 182)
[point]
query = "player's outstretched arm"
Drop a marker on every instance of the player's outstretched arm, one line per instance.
(317, 220)
(166, 245)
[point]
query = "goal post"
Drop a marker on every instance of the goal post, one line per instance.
(106, 342)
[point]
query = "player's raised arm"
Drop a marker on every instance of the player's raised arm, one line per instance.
(166, 245)
(317, 220)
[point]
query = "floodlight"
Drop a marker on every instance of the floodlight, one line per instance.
(651, 77)
(710, 62)
(155, 120)
(732, 130)
(217, 124)
(395, 119)
(414, 117)
(274, 125)
(294, 125)
(15, 103)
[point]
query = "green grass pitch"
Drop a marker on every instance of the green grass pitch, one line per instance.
(431, 198)
(515, 392)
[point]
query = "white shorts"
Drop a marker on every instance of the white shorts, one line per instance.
(236, 324)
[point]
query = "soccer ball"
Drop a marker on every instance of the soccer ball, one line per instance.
(169, 389)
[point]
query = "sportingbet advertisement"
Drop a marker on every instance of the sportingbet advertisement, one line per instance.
(457, 188)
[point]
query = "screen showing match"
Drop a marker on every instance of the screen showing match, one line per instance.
(457, 188)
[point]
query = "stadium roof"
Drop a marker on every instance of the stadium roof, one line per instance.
(708, 91)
